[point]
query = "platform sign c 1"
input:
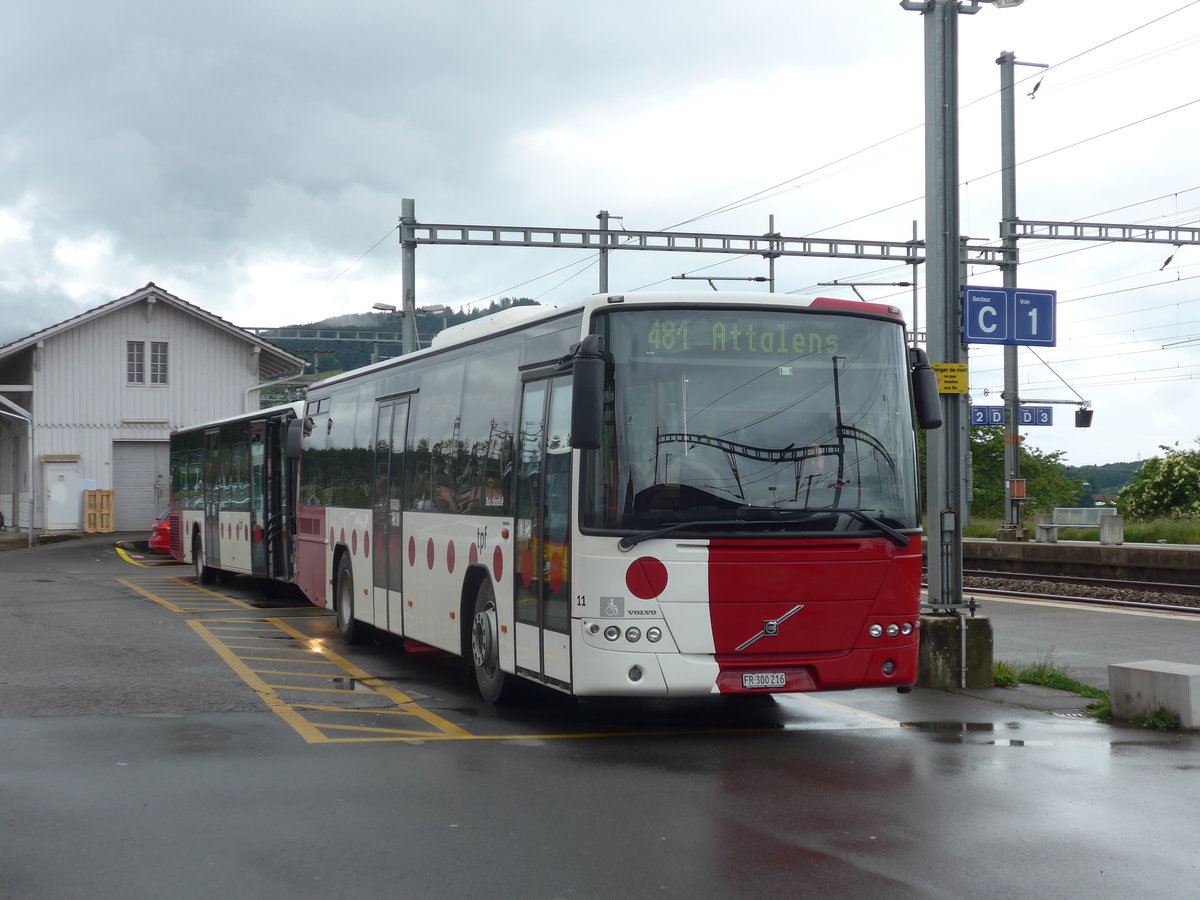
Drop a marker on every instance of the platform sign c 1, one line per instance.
(1008, 315)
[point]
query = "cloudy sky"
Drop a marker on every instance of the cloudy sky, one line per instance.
(250, 157)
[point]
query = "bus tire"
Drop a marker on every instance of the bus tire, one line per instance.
(351, 630)
(495, 685)
(204, 574)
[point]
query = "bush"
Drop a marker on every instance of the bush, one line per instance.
(1164, 487)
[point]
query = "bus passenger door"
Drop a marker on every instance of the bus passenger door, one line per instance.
(213, 488)
(391, 427)
(258, 503)
(543, 552)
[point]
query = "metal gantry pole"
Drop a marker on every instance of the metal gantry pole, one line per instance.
(946, 447)
(408, 245)
(1008, 204)
(603, 217)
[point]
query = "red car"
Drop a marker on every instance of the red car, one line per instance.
(160, 535)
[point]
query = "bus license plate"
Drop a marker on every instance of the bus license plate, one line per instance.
(763, 679)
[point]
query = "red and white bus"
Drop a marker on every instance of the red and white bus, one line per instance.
(657, 495)
(233, 495)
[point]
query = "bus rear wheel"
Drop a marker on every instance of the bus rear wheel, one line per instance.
(352, 630)
(495, 685)
(204, 574)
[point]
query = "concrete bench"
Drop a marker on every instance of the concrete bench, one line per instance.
(1112, 526)
(1137, 689)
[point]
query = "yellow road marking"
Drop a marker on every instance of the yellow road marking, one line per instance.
(188, 593)
(165, 561)
(311, 727)
(243, 644)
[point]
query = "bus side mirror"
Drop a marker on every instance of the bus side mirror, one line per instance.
(925, 390)
(291, 444)
(587, 394)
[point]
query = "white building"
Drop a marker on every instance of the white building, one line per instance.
(101, 394)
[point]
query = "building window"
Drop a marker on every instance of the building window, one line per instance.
(158, 362)
(135, 362)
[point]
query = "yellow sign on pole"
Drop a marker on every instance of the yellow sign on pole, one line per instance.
(951, 377)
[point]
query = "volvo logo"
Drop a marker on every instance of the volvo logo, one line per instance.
(770, 627)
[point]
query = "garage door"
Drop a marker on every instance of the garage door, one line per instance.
(141, 480)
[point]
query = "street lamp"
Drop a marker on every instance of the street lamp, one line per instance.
(389, 309)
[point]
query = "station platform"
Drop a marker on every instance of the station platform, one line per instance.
(1163, 563)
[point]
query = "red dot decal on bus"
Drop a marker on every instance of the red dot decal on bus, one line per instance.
(342, 536)
(258, 534)
(412, 552)
(497, 564)
(354, 542)
(473, 556)
(450, 558)
(556, 572)
(429, 554)
(366, 544)
(646, 577)
(332, 541)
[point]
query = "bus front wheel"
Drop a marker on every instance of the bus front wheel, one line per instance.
(495, 685)
(352, 630)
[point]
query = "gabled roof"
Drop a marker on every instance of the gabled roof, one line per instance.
(273, 361)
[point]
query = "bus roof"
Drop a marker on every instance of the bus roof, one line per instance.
(296, 409)
(516, 317)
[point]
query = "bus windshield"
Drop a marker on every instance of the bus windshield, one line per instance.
(779, 420)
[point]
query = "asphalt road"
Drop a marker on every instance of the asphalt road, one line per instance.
(157, 740)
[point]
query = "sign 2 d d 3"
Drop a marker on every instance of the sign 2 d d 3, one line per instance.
(1008, 315)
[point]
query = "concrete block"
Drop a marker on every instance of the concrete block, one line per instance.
(1112, 530)
(941, 652)
(1047, 533)
(1138, 688)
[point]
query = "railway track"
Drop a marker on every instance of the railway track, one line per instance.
(1108, 592)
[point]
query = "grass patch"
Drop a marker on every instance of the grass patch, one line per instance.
(1161, 719)
(1048, 673)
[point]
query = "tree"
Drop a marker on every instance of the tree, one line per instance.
(1047, 483)
(1164, 487)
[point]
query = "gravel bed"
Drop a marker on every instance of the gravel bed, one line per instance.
(1063, 589)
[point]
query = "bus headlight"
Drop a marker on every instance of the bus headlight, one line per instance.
(633, 635)
(654, 635)
(611, 633)
(893, 630)
(875, 630)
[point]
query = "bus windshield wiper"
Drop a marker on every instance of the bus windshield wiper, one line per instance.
(898, 538)
(768, 516)
(764, 515)
(632, 540)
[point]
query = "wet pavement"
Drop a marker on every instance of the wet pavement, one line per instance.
(138, 760)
